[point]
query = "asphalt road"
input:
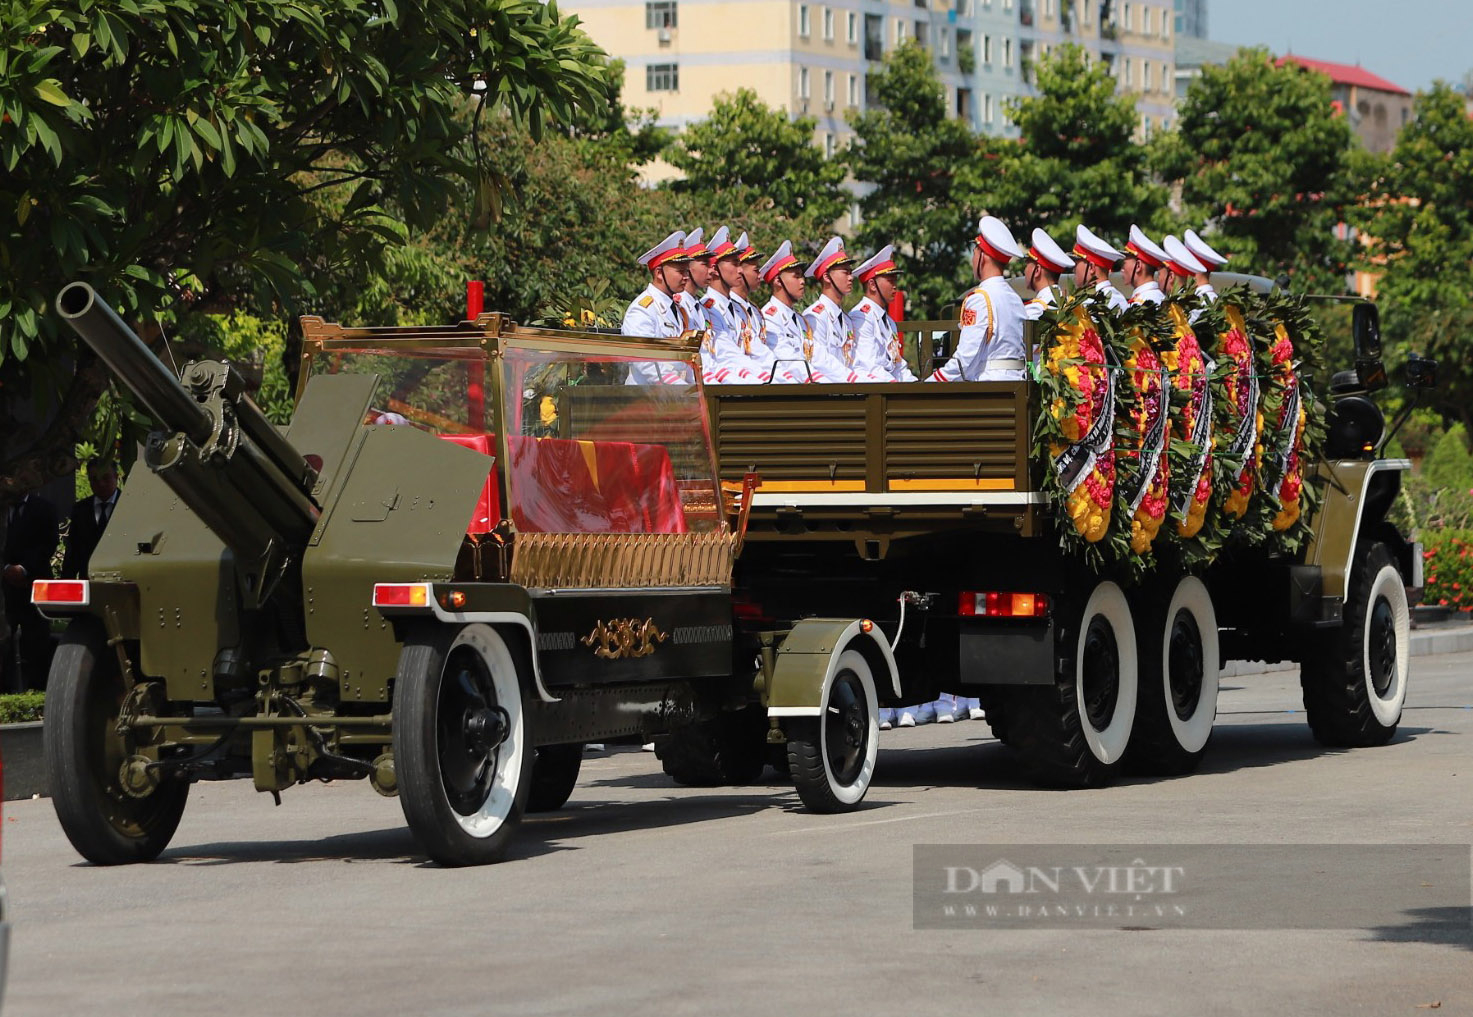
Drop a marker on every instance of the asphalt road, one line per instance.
(644, 898)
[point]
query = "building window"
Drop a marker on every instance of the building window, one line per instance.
(659, 14)
(946, 44)
(855, 217)
(1165, 82)
(1146, 75)
(828, 88)
(803, 82)
(828, 146)
(987, 49)
(1088, 6)
(1165, 34)
(965, 9)
(964, 104)
(1007, 52)
(828, 25)
(803, 27)
(900, 26)
(987, 107)
(1007, 5)
(1048, 8)
(923, 33)
(662, 78)
(1146, 15)
(854, 90)
(851, 28)
(1125, 81)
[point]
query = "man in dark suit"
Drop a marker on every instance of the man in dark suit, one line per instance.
(30, 541)
(89, 518)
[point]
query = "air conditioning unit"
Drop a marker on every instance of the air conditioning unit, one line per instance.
(664, 36)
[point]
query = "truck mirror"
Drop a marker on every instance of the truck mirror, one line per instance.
(1421, 371)
(1365, 326)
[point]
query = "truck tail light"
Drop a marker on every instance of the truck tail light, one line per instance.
(401, 594)
(55, 592)
(992, 604)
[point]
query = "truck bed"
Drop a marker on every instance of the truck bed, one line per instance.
(846, 462)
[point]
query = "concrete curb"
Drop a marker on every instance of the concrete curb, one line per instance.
(1425, 642)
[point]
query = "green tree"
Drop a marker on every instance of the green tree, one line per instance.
(747, 144)
(193, 155)
(1260, 152)
(910, 149)
(1076, 160)
(1418, 220)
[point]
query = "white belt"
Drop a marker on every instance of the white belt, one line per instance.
(1010, 364)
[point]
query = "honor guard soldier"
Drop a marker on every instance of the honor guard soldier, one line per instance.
(722, 359)
(695, 285)
(1207, 256)
(1097, 260)
(833, 333)
(1143, 259)
(990, 347)
(1184, 265)
(654, 314)
(752, 326)
(1046, 263)
(880, 352)
(787, 330)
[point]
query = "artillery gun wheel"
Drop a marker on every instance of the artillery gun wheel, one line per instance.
(1355, 679)
(85, 755)
(1074, 733)
(729, 749)
(554, 775)
(832, 756)
(1176, 630)
(460, 743)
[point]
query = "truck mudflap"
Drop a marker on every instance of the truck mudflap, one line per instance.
(1004, 651)
(807, 659)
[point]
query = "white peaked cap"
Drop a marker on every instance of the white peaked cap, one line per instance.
(1200, 248)
(674, 242)
(743, 241)
(1049, 254)
(998, 239)
(882, 262)
(720, 243)
(693, 240)
(1181, 257)
(833, 253)
(1145, 248)
(1086, 244)
(781, 259)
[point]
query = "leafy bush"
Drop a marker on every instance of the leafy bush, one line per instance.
(1447, 568)
(18, 707)
(1439, 496)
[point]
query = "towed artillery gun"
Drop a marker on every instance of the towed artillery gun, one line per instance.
(449, 609)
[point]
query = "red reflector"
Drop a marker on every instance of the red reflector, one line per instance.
(993, 604)
(401, 594)
(59, 591)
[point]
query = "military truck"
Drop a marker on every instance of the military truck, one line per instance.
(919, 506)
(474, 549)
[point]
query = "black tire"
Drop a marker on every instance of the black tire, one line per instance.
(730, 749)
(832, 756)
(1355, 683)
(995, 702)
(461, 750)
(1074, 733)
(84, 755)
(554, 775)
(1176, 632)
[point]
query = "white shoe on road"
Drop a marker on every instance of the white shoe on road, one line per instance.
(907, 719)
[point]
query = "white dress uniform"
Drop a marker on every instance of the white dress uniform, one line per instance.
(880, 353)
(722, 359)
(1104, 257)
(653, 315)
(752, 338)
(788, 333)
(1042, 300)
(1148, 292)
(835, 341)
(990, 347)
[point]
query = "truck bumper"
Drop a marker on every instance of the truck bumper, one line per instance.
(1007, 652)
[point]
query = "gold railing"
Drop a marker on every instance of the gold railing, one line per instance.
(622, 560)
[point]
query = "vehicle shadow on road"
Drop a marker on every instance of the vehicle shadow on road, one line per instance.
(586, 817)
(1442, 926)
(1251, 746)
(392, 844)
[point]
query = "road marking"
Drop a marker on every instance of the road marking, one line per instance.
(831, 828)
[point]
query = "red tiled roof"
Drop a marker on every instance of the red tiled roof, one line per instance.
(1346, 74)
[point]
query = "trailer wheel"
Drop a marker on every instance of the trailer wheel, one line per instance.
(1179, 660)
(1074, 733)
(1356, 683)
(832, 756)
(85, 755)
(554, 775)
(460, 744)
(729, 749)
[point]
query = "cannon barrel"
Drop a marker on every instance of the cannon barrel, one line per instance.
(215, 448)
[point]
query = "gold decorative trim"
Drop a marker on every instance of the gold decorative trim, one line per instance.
(622, 560)
(624, 637)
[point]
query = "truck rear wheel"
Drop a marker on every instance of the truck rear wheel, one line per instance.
(1176, 630)
(1355, 684)
(729, 749)
(1074, 733)
(85, 755)
(832, 756)
(460, 744)
(554, 775)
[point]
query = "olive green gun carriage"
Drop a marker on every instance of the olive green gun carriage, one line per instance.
(919, 506)
(474, 549)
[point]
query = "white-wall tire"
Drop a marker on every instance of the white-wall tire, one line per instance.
(1176, 627)
(832, 757)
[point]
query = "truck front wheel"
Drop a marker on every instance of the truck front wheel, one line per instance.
(1356, 683)
(460, 744)
(1176, 629)
(1074, 732)
(832, 756)
(554, 775)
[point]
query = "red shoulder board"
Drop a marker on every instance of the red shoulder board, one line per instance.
(768, 310)
(864, 307)
(969, 316)
(710, 302)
